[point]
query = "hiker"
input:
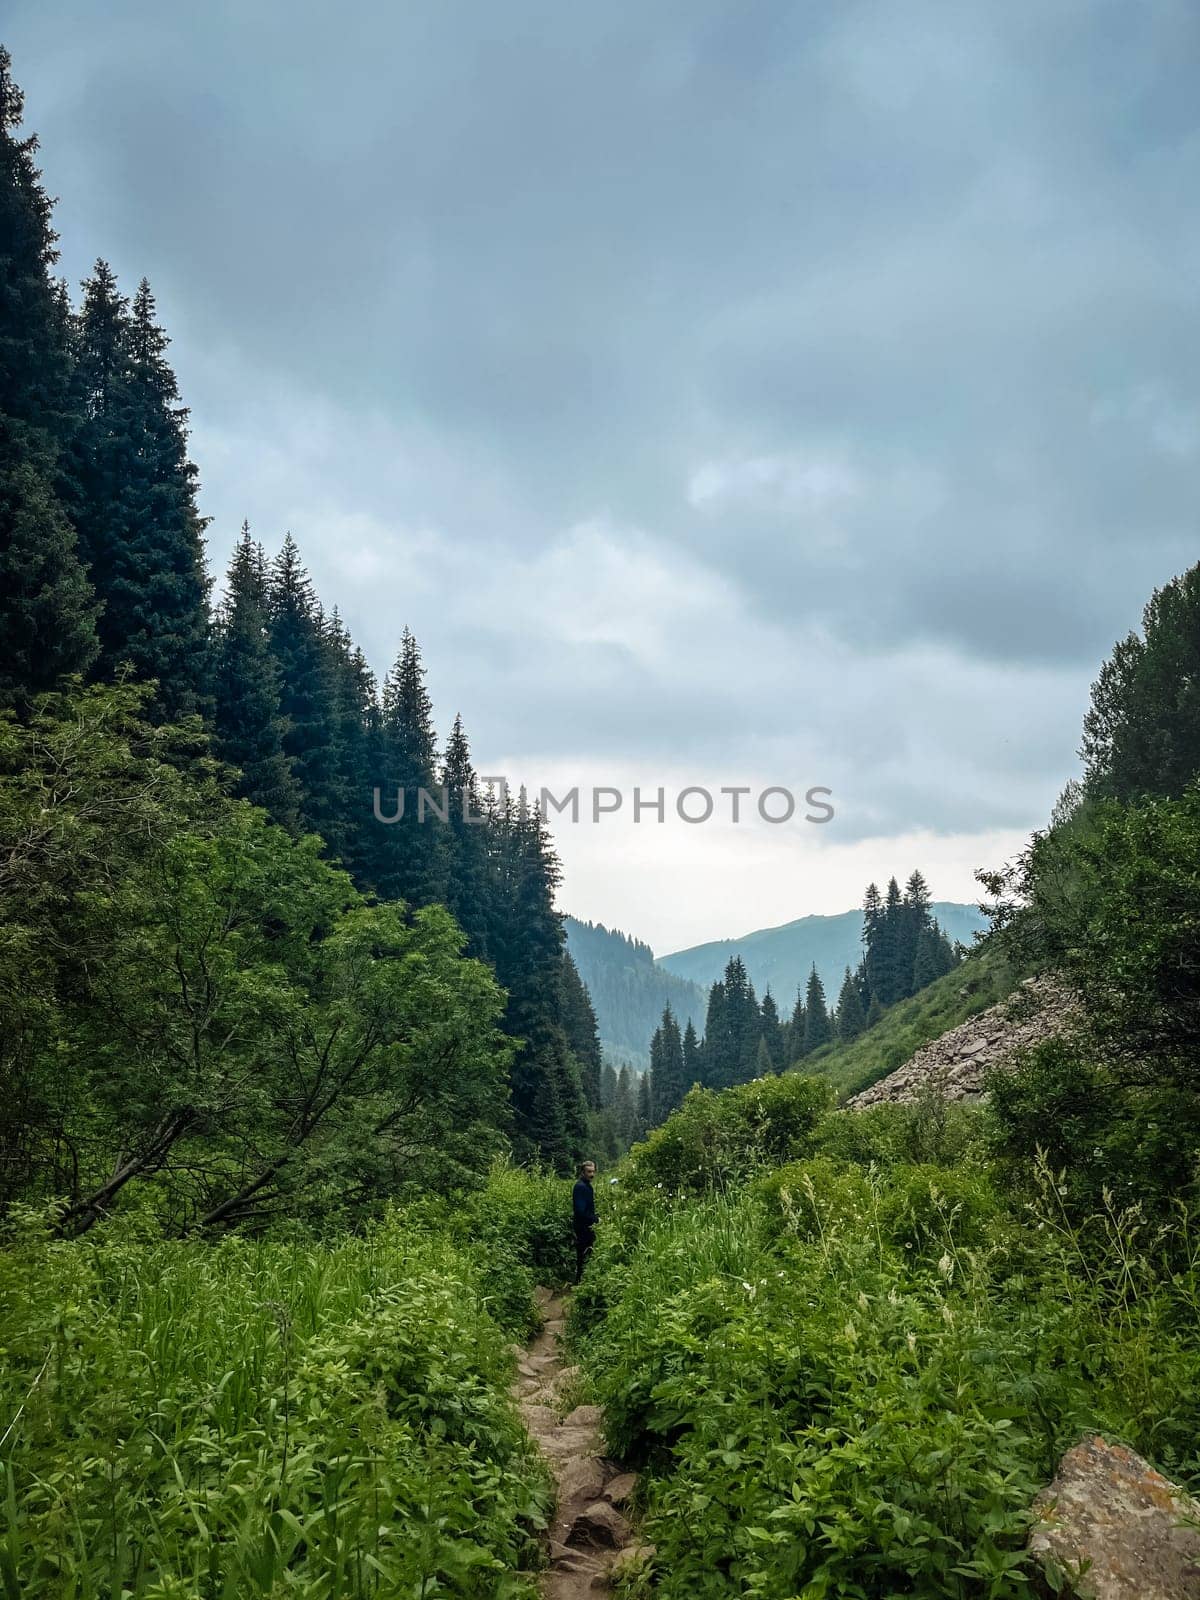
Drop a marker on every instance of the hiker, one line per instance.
(583, 1216)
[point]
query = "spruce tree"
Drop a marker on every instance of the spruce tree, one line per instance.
(133, 500)
(874, 942)
(248, 724)
(47, 605)
(795, 1029)
(645, 1108)
(772, 1031)
(817, 1028)
(354, 710)
(691, 1057)
(468, 841)
(1141, 733)
(851, 1019)
(915, 920)
(410, 852)
(579, 1024)
(668, 1069)
(305, 665)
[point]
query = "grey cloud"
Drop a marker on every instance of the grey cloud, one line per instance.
(494, 272)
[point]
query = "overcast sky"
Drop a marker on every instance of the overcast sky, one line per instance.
(752, 394)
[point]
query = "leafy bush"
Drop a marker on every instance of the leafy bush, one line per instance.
(253, 1419)
(823, 1411)
(716, 1140)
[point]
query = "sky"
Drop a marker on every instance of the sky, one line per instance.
(770, 395)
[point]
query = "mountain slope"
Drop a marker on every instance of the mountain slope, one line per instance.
(629, 990)
(781, 958)
(982, 980)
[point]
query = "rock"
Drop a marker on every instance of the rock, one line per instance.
(598, 1527)
(562, 1443)
(581, 1479)
(956, 1064)
(620, 1489)
(539, 1420)
(584, 1417)
(1111, 1518)
(632, 1559)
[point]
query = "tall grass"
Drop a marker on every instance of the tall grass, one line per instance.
(253, 1419)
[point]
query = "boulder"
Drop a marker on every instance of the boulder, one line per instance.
(632, 1559)
(584, 1417)
(1117, 1528)
(619, 1490)
(581, 1479)
(598, 1527)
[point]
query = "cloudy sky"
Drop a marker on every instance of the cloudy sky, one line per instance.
(771, 394)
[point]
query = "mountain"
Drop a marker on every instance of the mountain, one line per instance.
(781, 958)
(629, 990)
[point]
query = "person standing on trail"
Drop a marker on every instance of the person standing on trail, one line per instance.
(583, 1216)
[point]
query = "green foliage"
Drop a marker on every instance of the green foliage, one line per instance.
(256, 1419)
(849, 1383)
(986, 976)
(245, 1033)
(1141, 734)
(716, 1140)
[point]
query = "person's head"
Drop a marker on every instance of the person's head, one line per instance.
(587, 1170)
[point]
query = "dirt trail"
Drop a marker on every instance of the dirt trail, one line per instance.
(591, 1537)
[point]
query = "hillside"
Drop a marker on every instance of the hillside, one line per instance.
(781, 958)
(629, 990)
(982, 980)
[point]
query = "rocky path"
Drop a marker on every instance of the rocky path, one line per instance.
(591, 1538)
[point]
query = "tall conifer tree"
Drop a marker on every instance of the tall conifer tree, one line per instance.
(47, 605)
(133, 499)
(817, 1028)
(248, 724)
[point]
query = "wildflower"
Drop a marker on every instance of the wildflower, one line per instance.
(863, 1303)
(912, 1340)
(947, 1314)
(946, 1266)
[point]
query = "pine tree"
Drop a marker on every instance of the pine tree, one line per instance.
(47, 605)
(528, 943)
(772, 1031)
(469, 833)
(874, 942)
(645, 1109)
(354, 708)
(411, 851)
(851, 1019)
(668, 1069)
(1141, 734)
(915, 919)
(579, 1023)
(691, 1057)
(795, 1029)
(133, 500)
(248, 726)
(304, 662)
(817, 1029)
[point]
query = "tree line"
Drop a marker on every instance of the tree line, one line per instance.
(116, 671)
(904, 949)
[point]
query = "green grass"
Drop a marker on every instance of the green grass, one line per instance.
(258, 1419)
(853, 1383)
(984, 978)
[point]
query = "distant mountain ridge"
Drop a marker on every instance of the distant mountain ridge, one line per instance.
(781, 958)
(629, 990)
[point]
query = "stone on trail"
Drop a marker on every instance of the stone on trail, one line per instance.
(599, 1527)
(632, 1559)
(1116, 1527)
(620, 1489)
(581, 1479)
(584, 1417)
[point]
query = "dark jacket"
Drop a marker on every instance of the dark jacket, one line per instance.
(583, 1207)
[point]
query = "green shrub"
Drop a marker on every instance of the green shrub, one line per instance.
(253, 1419)
(717, 1140)
(930, 1208)
(816, 1195)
